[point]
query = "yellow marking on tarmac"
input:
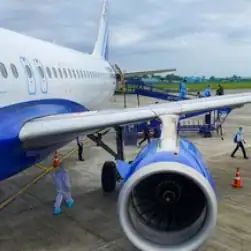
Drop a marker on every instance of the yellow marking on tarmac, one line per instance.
(46, 170)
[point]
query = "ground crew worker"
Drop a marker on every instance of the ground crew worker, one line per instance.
(183, 89)
(146, 134)
(80, 140)
(157, 131)
(63, 188)
(239, 140)
(207, 91)
(219, 90)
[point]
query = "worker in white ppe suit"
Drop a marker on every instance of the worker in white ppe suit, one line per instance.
(63, 188)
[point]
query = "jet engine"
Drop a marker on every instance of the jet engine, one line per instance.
(168, 202)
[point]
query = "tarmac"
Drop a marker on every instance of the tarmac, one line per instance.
(27, 224)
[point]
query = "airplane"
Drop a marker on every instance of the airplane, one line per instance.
(50, 94)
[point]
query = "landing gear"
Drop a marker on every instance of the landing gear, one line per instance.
(109, 177)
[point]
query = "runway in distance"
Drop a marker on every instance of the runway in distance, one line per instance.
(50, 94)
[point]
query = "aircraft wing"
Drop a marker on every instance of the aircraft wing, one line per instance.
(140, 73)
(52, 129)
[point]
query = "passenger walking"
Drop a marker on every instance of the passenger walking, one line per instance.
(239, 140)
(183, 89)
(146, 134)
(63, 188)
(80, 143)
(207, 91)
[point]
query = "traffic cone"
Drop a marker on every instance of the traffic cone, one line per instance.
(56, 161)
(237, 182)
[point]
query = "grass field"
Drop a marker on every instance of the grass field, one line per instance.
(192, 87)
(202, 86)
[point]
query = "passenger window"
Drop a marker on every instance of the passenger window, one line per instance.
(60, 73)
(28, 70)
(54, 72)
(14, 70)
(74, 73)
(81, 74)
(69, 72)
(65, 73)
(3, 70)
(78, 73)
(48, 72)
(41, 72)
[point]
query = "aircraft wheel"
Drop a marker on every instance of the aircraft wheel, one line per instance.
(109, 176)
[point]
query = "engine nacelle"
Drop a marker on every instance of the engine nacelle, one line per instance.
(168, 200)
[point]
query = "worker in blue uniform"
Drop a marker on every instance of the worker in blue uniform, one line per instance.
(207, 91)
(63, 188)
(183, 89)
(157, 131)
(239, 140)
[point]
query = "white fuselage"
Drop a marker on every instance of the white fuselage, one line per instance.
(64, 73)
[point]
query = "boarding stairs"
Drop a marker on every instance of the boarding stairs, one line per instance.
(139, 88)
(222, 116)
(204, 125)
(210, 121)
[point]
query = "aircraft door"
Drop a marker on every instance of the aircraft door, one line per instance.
(42, 77)
(31, 81)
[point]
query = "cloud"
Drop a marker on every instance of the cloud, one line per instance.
(198, 37)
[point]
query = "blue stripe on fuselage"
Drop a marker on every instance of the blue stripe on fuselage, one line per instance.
(13, 158)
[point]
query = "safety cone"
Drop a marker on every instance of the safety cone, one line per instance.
(56, 161)
(237, 182)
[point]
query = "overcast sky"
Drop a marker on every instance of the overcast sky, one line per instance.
(197, 37)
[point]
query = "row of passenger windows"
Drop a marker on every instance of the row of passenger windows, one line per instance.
(52, 72)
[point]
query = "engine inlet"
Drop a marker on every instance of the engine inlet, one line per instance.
(167, 201)
(167, 206)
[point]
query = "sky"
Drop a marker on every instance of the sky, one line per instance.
(197, 37)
